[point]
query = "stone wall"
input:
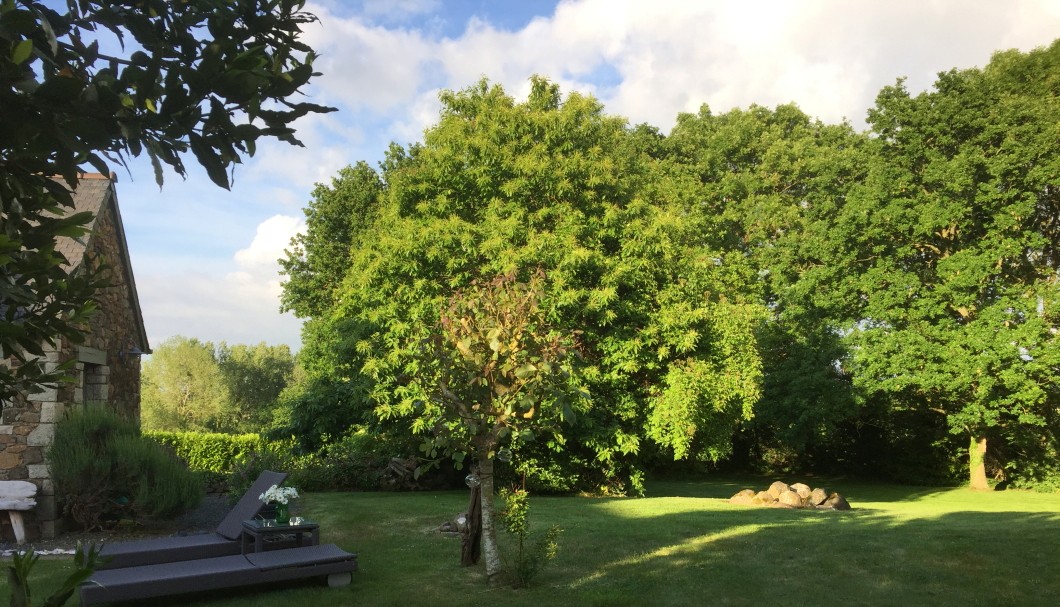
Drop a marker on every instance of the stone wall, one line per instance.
(114, 329)
(25, 435)
(102, 375)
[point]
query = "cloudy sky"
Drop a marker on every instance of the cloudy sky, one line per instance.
(205, 259)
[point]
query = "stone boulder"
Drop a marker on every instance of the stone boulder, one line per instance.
(764, 498)
(790, 498)
(456, 526)
(818, 496)
(778, 488)
(835, 502)
(743, 498)
(802, 489)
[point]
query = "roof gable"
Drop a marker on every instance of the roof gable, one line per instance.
(96, 194)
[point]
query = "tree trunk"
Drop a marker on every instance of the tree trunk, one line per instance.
(489, 529)
(977, 463)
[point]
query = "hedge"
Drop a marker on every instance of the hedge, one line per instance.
(213, 452)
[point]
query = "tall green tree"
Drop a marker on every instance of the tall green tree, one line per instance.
(255, 376)
(200, 76)
(319, 257)
(500, 186)
(192, 385)
(768, 184)
(183, 388)
(325, 402)
(962, 240)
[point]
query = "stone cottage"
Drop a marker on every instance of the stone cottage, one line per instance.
(106, 370)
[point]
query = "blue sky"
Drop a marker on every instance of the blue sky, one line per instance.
(204, 258)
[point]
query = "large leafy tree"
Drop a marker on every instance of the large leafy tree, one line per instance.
(319, 257)
(499, 186)
(255, 375)
(183, 388)
(772, 183)
(329, 396)
(93, 83)
(962, 242)
(192, 385)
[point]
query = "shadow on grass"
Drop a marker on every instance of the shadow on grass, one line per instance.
(754, 556)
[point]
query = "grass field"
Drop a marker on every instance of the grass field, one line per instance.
(684, 544)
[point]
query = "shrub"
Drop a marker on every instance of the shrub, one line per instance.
(104, 469)
(524, 559)
(1043, 477)
(159, 485)
(360, 460)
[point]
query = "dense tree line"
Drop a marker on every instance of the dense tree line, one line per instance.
(189, 385)
(754, 287)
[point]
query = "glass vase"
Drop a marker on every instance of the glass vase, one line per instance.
(283, 514)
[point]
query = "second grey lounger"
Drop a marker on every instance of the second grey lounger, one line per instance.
(223, 541)
(166, 579)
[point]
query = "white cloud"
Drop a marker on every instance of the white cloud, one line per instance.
(421, 113)
(203, 300)
(272, 237)
(365, 66)
(213, 308)
(830, 57)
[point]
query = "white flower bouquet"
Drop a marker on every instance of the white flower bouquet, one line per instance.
(279, 495)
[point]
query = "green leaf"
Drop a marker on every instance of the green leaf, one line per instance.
(209, 159)
(525, 371)
(22, 52)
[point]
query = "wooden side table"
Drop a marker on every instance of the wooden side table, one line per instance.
(256, 530)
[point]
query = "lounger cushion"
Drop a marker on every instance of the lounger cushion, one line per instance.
(167, 549)
(165, 579)
(296, 557)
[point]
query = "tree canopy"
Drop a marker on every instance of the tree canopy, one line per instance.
(94, 83)
(502, 187)
(755, 283)
(189, 385)
(960, 288)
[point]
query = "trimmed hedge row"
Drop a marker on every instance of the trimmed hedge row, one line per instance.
(213, 452)
(361, 460)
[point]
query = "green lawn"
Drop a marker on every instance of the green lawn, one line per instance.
(685, 545)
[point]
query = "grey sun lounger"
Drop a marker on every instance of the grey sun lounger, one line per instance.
(166, 579)
(223, 541)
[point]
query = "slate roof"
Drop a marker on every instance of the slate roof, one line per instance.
(94, 193)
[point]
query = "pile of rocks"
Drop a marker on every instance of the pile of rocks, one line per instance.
(797, 495)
